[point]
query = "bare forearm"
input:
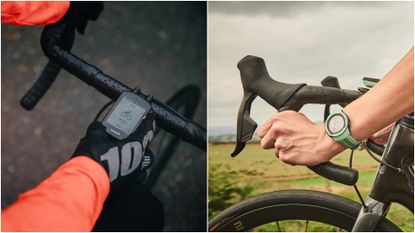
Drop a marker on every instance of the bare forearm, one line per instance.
(385, 103)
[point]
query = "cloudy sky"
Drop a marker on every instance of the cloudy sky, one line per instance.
(301, 42)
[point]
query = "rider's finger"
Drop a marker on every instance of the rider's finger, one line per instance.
(266, 126)
(380, 141)
(282, 144)
(284, 157)
(268, 141)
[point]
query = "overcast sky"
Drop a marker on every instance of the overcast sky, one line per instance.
(301, 42)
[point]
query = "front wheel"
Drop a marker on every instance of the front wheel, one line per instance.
(293, 210)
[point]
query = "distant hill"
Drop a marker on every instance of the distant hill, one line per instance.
(227, 134)
(222, 130)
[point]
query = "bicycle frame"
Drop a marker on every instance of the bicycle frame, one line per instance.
(391, 185)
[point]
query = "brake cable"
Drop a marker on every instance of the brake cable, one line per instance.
(355, 186)
(380, 161)
(377, 160)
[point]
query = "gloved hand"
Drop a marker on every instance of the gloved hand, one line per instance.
(124, 160)
(80, 12)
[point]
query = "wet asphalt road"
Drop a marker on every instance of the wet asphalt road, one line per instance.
(159, 47)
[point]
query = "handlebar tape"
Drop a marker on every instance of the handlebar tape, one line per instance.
(41, 86)
(338, 173)
(48, 75)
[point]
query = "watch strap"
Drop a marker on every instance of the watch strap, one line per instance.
(347, 140)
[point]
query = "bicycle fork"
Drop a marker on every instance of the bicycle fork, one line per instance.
(394, 178)
(370, 216)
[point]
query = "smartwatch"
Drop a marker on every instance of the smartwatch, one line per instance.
(337, 127)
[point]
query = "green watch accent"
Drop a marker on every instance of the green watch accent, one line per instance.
(337, 127)
(370, 82)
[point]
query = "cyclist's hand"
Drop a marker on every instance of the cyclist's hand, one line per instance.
(297, 140)
(124, 160)
(80, 12)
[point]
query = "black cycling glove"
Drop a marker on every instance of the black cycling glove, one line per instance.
(124, 160)
(80, 12)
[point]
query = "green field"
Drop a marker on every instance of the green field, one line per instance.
(257, 171)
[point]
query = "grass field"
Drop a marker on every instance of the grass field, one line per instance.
(261, 172)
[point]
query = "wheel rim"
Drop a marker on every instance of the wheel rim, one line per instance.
(279, 213)
(297, 226)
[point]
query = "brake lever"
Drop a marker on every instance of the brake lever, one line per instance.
(245, 124)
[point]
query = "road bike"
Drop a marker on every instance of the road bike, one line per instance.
(393, 181)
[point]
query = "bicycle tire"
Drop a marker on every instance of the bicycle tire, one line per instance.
(292, 205)
(185, 102)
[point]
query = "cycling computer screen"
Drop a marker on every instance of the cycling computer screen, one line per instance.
(126, 115)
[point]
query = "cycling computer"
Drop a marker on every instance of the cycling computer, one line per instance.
(126, 115)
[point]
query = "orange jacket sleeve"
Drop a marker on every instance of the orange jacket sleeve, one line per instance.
(33, 13)
(71, 199)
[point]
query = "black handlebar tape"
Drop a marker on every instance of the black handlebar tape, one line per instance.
(48, 75)
(169, 120)
(320, 95)
(51, 39)
(255, 79)
(378, 149)
(341, 174)
(39, 88)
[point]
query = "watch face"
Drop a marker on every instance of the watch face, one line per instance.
(336, 124)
